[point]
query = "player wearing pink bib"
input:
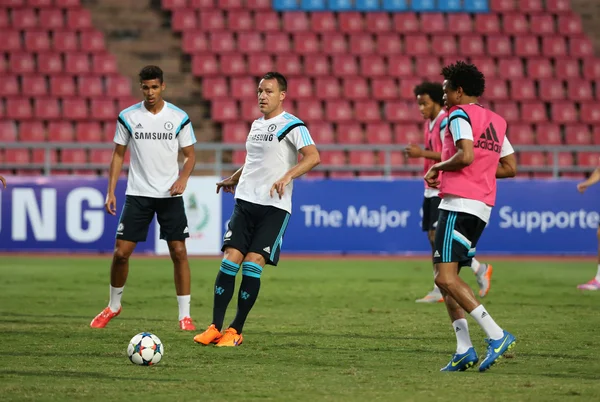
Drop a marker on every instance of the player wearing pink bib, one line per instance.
(475, 152)
(429, 97)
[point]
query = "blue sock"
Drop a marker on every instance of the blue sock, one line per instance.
(249, 288)
(224, 287)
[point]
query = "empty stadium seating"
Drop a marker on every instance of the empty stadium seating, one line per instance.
(351, 72)
(59, 84)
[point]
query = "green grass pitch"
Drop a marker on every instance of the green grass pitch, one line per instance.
(322, 330)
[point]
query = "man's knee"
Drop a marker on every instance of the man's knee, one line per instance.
(445, 280)
(178, 251)
(121, 255)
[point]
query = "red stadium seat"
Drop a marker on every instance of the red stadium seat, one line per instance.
(567, 68)
(565, 159)
(531, 6)
(295, 21)
(101, 157)
(322, 132)
(570, 24)
(400, 66)
(222, 42)
(205, 65)
(443, 45)
(77, 63)
(327, 88)
(211, 20)
(49, 63)
(195, 42)
(554, 46)
(173, 4)
(23, 18)
(460, 23)
(532, 158)
(250, 42)
(406, 22)
(65, 41)
(240, 21)
(378, 22)
(367, 111)
(37, 41)
(233, 64)
(384, 89)
(508, 110)
(9, 86)
(60, 131)
(67, 3)
(224, 110)
(578, 134)
(92, 41)
(350, 22)
(522, 90)
(334, 43)
(564, 112)
(488, 24)
(516, 24)
(345, 65)
(290, 65)
(333, 158)
(214, 87)
(21, 63)
(269, 22)
(8, 131)
(118, 86)
(407, 86)
(580, 47)
(11, 41)
(527, 46)
(591, 159)
(323, 22)
(510, 68)
(433, 23)
(502, 5)
(234, 133)
(579, 90)
(486, 65)
(416, 45)
(388, 44)
(521, 134)
(372, 66)
(539, 68)
(355, 88)
(471, 46)
(259, 63)
(548, 134)
(408, 133)
(243, 88)
(46, 108)
(379, 133)
(533, 112)
(398, 111)
(76, 109)
(542, 24)
(18, 156)
(18, 109)
(88, 131)
(305, 43)
(73, 156)
(551, 90)
(90, 86)
(362, 44)
(350, 133)
(310, 110)
(499, 46)
(104, 63)
(338, 111)
(362, 158)
(496, 90)
(32, 131)
(79, 19)
(34, 85)
(62, 86)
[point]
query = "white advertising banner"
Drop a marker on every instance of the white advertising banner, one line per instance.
(203, 210)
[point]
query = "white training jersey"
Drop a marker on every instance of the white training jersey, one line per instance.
(271, 150)
(154, 141)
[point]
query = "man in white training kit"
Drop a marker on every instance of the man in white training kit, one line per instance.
(263, 204)
(155, 130)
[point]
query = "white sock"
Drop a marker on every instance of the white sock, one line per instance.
(475, 266)
(489, 326)
(463, 340)
(184, 306)
(115, 298)
(598, 274)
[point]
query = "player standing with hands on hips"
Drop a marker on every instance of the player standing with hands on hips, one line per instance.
(155, 130)
(263, 204)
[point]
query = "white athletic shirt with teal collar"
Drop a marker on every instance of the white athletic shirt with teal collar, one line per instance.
(271, 150)
(154, 141)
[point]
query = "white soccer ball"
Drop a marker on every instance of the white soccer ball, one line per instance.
(145, 349)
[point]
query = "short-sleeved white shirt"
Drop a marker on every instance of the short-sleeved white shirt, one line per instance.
(154, 141)
(271, 150)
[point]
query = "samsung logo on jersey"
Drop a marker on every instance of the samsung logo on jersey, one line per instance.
(152, 136)
(260, 137)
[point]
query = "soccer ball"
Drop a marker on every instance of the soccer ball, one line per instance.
(145, 349)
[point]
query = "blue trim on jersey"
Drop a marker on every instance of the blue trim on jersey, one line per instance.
(444, 123)
(130, 108)
(306, 138)
(455, 129)
(459, 113)
(184, 123)
(291, 123)
(279, 239)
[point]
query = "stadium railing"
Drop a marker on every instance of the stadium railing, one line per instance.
(220, 149)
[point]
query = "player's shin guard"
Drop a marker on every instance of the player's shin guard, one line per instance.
(224, 287)
(249, 288)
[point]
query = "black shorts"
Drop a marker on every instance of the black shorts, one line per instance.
(255, 228)
(456, 237)
(138, 212)
(430, 213)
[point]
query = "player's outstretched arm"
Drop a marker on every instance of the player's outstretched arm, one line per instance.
(310, 159)
(189, 162)
(507, 167)
(116, 164)
(593, 179)
(3, 180)
(228, 185)
(415, 151)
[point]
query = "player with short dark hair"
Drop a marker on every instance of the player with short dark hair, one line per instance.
(263, 204)
(594, 284)
(475, 152)
(155, 130)
(430, 98)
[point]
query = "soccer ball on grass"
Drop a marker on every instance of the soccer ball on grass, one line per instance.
(145, 349)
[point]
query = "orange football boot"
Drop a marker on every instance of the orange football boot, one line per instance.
(211, 335)
(104, 317)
